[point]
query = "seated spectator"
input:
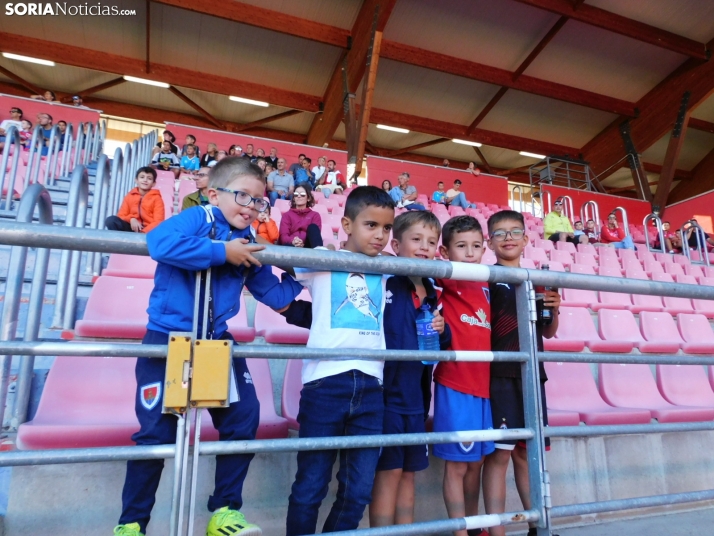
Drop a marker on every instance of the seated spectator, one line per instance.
(579, 233)
(220, 155)
(319, 170)
(48, 96)
(45, 121)
(268, 170)
(405, 194)
(446, 163)
(167, 136)
(591, 232)
(297, 165)
(473, 169)
(303, 175)
(15, 120)
(189, 161)
(237, 151)
(78, 102)
(166, 159)
(210, 155)
(386, 185)
(456, 197)
(280, 183)
(26, 134)
(260, 153)
(677, 242)
(704, 239)
(669, 236)
(260, 162)
(615, 236)
(439, 196)
(273, 157)
(191, 140)
(62, 127)
(266, 228)
(249, 152)
(200, 196)
(142, 208)
(331, 180)
(556, 226)
(301, 226)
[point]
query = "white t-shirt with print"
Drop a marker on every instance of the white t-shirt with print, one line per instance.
(347, 312)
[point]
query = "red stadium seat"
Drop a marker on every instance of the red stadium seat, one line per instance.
(576, 324)
(571, 386)
(609, 271)
(557, 417)
(186, 187)
(537, 255)
(681, 259)
(584, 269)
(673, 304)
(556, 266)
(527, 263)
(612, 300)
(693, 270)
(673, 269)
(622, 326)
(659, 328)
(283, 205)
(545, 245)
(116, 308)
(275, 328)
(685, 385)
(134, 266)
(575, 297)
(652, 267)
(587, 248)
(633, 386)
(562, 257)
(341, 198)
(566, 246)
(292, 385)
(587, 259)
(696, 333)
(609, 261)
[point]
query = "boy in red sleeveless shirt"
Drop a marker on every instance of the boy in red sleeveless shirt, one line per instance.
(462, 388)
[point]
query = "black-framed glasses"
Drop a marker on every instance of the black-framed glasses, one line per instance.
(500, 236)
(244, 199)
(15, 111)
(203, 175)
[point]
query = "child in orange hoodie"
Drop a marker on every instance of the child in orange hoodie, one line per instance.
(266, 228)
(142, 208)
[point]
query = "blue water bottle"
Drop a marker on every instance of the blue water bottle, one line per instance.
(427, 337)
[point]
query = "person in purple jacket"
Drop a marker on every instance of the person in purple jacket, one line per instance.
(301, 226)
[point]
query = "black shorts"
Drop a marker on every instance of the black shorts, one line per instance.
(411, 458)
(507, 409)
(555, 237)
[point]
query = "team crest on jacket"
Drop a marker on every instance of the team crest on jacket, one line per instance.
(150, 395)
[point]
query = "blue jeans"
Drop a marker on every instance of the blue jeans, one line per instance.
(626, 243)
(460, 201)
(274, 196)
(415, 206)
(347, 404)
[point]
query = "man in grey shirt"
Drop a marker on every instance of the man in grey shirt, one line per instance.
(280, 183)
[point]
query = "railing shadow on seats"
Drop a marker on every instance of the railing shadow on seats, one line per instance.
(23, 234)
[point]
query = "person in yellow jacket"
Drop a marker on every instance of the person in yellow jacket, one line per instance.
(557, 227)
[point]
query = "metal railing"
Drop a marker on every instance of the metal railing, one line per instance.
(562, 171)
(568, 208)
(702, 251)
(540, 195)
(13, 145)
(625, 221)
(654, 218)
(513, 198)
(590, 211)
(22, 235)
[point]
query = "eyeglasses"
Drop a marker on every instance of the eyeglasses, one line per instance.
(203, 175)
(244, 199)
(300, 195)
(500, 236)
(14, 111)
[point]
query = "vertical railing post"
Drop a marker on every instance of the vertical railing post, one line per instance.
(78, 146)
(530, 377)
(34, 197)
(12, 139)
(102, 189)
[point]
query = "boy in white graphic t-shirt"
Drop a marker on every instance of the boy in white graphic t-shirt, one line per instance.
(343, 397)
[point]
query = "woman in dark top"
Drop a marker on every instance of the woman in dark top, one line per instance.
(386, 186)
(210, 154)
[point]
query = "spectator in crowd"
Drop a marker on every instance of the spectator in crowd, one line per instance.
(232, 151)
(297, 165)
(439, 196)
(249, 152)
(473, 169)
(167, 136)
(704, 239)
(268, 170)
(26, 134)
(301, 226)
(166, 159)
(668, 236)
(48, 96)
(556, 226)
(386, 185)
(45, 121)
(280, 183)
(404, 195)
(200, 196)
(191, 140)
(142, 208)
(15, 120)
(446, 163)
(615, 236)
(237, 151)
(266, 228)
(62, 127)
(220, 155)
(260, 162)
(579, 233)
(78, 102)
(210, 155)
(591, 232)
(456, 197)
(303, 175)
(189, 161)
(273, 158)
(319, 170)
(677, 242)
(331, 180)
(260, 153)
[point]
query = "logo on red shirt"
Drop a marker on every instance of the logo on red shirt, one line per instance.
(481, 319)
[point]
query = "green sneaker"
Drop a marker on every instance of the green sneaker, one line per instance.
(132, 529)
(227, 522)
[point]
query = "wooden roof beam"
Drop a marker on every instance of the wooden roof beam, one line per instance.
(607, 20)
(396, 152)
(196, 107)
(270, 119)
(676, 142)
(702, 181)
(21, 81)
(325, 124)
(175, 76)
(700, 124)
(679, 174)
(95, 89)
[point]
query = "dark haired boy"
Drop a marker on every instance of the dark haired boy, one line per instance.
(507, 239)
(220, 237)
(461, 391)
(191, 140)
(343, 397)
(142, 208)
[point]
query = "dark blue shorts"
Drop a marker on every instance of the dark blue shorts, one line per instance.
(507, 409)
(410, 458)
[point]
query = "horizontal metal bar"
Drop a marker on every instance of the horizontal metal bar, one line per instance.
(627, 429)
(110, 349)
(210, 448)
(446, 525)
(56, 237)
(643, 359)
(628, 504)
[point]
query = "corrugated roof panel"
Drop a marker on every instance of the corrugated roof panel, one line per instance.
(299, 123)
(587, 57)
(499, 33)
(216, 46)
(689, 18)
(705, 110)
(414, 90)
(57, 78)
(341, 14)
(540, 118)
(150, 96)
(395, 140)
